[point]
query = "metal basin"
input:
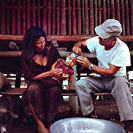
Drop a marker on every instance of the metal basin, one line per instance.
(85, 125)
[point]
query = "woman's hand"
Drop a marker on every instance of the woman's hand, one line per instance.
(56, 72)
(83, 61)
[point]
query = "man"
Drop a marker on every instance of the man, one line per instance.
(113, 56)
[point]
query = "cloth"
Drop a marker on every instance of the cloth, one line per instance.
(119, 55)
(66, 69)
(119, 88)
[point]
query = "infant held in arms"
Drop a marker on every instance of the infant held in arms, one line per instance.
(66, 66)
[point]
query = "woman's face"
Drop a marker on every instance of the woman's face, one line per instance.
(40, 44)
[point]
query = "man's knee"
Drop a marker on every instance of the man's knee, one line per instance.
(33, 87)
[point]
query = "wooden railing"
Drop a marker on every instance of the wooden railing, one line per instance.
(63, 17)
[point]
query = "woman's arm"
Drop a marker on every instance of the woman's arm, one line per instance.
(50, 73)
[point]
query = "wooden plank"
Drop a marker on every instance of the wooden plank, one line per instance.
(99, 12)
(131, 13)
(83, 17)
(123, 16)
(13, 17)
(38, 13)
(7, 17)
(44, 16)
(127, 18)
(67, 38)
(18, 18)
(28, 14)
(91, 18)
(104, 10)
(108, 9)
(58, 17)
(53, 18)
(86, 18)
(118, 10)
(79, 16)
(63, 18)
(2, 8)
(24, 16)
(74, 17)
(69, 18)
(49, 17)
(96, 14)
(112, 9)
(33, 13)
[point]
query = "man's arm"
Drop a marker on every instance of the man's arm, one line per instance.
(102, 71)
(77, 47)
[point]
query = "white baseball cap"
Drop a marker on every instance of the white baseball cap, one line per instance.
(110, 27)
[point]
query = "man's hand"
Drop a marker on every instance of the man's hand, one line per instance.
(83, 61)
(77, 50)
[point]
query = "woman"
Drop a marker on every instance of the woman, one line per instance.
(43, 92)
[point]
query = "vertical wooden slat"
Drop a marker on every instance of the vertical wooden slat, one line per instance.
(49, 17)
(44, 16)
(86, 18)
(131, 3)
(58, 17)
(108, 9)
(38, 13)
(74, 17)
(91, 18)
(63, 18)
(123, 16)
(95, 15)
(18, 18)
(127, 18)
(53, 17)
(24, 16)
(69, 17)
(112, 9)
(13, 17)
(104, 10)
(2, 17)
(28, 14)
(79, 16)
(99, 12)
(83, 16)
(8, 17)
(118, 10)
(33, 13)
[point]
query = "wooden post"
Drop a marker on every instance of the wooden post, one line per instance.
(123, 16)
(18, 18)
(58, 17)
(63, 18)
(74, 18)
(2, 8)
(8, 16)
(44, 16)
(38, 13)
(69, 18)
(24, 17)
(13, 17)
(28, 14)
(86, 18)
(79, 17)
(74, 104)
(91, 18)
(49, 17)
(53, 16)
(33, 13)
(131, 3)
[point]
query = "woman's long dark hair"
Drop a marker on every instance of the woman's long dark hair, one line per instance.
(28, 51)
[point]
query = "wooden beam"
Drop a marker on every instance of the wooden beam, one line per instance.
(73, 38)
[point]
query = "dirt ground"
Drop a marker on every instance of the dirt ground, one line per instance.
(105, 109)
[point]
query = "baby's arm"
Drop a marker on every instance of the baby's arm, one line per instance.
(69, 82)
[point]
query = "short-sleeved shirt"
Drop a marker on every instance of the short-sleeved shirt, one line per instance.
(66, 69)
(118, 55)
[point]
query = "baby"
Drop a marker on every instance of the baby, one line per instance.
(66, 66)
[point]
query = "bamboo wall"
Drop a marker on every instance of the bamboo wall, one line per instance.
(63, 17)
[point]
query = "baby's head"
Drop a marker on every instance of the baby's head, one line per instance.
(71, 59)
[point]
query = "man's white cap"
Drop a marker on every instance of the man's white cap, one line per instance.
(110, 27)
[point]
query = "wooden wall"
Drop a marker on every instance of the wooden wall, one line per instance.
(63, 17)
